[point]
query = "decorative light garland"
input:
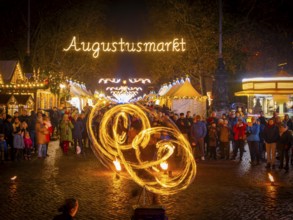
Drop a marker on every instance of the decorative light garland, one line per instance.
(113, 80)
(117, 80)
(134, 80)
(95, 48)
(123, 94)
(29, 85)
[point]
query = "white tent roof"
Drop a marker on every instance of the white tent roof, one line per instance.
(185, 90)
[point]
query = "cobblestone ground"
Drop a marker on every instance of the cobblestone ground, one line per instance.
(221, 190)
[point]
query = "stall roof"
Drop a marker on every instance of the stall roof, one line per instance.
(184, 90)
(79, 91)
(4, 98)
(7, 68)
(23, 99)
(278, 84)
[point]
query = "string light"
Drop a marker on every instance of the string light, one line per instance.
(175, 45)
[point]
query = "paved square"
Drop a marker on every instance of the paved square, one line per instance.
(221, 190)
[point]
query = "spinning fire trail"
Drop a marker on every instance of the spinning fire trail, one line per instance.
(113, 146)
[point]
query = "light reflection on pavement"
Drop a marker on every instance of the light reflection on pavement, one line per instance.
(221, 190)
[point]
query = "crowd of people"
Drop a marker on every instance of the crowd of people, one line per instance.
(22, 135)
(223, 137)
(213, 138)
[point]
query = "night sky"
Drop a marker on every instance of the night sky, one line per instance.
(125, 18)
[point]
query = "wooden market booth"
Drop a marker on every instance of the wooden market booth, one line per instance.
(23, 92)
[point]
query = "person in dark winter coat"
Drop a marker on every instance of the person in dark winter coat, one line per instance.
(78, 128)
(262, 119)
(213, 138)
(288, 122)
(262, 146)
(1, 122)
(285, 142)
(182, 124)
(271, 136)
(85, 141)
(32, 129)
(197, 134)
(24, 117)
(3, 148)
(8, 134)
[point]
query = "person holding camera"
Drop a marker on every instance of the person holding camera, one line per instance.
(252, 134)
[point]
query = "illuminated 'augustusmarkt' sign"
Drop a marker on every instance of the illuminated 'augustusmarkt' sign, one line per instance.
(176, 45)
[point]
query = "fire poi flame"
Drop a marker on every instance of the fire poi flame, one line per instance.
(117, 165)
(13, 178)
(114, 147)
(271, 178)
(164, 165)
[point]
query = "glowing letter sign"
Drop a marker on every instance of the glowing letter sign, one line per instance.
(176, 45)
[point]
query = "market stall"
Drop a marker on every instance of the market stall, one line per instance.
(183, 97)
(269, 93)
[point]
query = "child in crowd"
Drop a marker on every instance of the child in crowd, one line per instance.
(24, 128)
(28, 144)
(18, 144)
(3, 148)
(213, 141)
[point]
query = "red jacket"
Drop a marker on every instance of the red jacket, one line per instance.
(28, 143)
(49, 128)
(239, 132)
